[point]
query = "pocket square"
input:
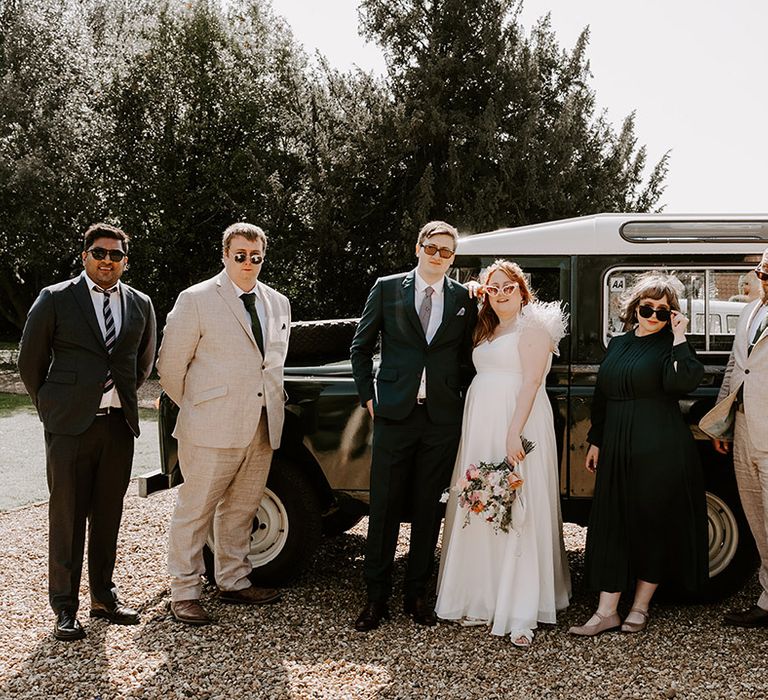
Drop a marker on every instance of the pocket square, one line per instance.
(461, 312)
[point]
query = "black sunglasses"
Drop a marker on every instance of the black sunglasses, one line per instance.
(762, 276)
(662, 314)
(102, 254)
(240, 258)
(430, 249)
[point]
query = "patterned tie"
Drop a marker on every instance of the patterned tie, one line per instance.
(249, 300)
(109, 332)
(426, 309)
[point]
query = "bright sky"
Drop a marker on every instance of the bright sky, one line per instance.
(693, 70)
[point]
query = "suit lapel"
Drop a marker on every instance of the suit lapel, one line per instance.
(82, 294)
(449, 308)
(129, 310)
(764, 333)
(270, 311)
(227, 293)
(408, 303)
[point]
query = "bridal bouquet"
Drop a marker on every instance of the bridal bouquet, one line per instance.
(489, 489)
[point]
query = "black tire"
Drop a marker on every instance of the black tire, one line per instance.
(320, 341)
(733, 555)
(286, 530)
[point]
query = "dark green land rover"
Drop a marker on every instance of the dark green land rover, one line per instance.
(318, 483)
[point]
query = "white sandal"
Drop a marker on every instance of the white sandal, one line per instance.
(521, 638)
(468, 621)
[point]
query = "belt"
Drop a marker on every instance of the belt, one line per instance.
(107, 410)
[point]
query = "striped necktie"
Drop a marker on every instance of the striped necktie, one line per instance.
(109, 332)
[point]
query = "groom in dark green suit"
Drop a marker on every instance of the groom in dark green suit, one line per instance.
(416, 400)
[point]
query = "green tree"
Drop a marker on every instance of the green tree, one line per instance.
(499, 128)
(204, 134)
(46, 127)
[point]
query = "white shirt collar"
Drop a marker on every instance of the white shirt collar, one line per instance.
(239, 292)
(421, 285)
(92, 284)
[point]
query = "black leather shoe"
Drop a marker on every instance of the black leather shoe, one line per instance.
(67, 628)
(371, 616)
(753, 617)
(116, 613)
(420, 611)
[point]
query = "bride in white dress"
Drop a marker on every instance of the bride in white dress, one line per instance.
(509, 580)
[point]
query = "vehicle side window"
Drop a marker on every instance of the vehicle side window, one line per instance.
(712, 298)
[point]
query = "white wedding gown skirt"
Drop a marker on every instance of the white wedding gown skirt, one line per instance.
(516, 579)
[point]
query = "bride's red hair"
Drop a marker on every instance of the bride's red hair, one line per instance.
(487, 320)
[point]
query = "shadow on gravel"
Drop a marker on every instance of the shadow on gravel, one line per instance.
(65, 669)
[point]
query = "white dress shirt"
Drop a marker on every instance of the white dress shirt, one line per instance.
(435, 318)
(261, 310)
(111, 397)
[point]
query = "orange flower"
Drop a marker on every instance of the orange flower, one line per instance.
(477, 507)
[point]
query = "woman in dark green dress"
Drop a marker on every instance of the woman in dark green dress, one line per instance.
(648, 522)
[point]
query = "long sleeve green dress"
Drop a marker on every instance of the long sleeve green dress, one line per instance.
(648, 518)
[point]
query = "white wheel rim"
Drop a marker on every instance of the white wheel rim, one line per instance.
(270, 531)
(723, 534)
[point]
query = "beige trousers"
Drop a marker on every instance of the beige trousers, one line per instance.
(751, 467)
(223, 488)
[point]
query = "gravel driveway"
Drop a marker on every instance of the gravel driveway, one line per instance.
(304, 647)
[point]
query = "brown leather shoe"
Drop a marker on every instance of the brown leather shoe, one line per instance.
(420, 611)
(190, 612)
(250, 596)
(116, 613)
(752, 617)
(371, 616)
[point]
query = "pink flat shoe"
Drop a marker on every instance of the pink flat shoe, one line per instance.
(633, 627)
(607, 623)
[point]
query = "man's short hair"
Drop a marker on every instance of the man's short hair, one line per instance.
(248, 231)
(102, 230)
(434, 228)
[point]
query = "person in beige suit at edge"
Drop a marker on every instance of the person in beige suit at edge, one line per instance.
(221, 360)
(745, 384)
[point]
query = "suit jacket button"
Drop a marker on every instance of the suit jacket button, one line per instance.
(263, 366)
(259, 394)
(746, 371)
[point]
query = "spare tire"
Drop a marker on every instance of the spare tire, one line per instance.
(314, 342)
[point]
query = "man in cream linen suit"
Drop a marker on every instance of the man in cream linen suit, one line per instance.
(746, 384)
(221, 360)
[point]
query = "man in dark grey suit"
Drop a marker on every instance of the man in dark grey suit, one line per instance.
(87, 345)
(425, 320)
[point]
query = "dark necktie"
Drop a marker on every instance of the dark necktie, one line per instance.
(109, 332)
(425, 311)
(249, 300)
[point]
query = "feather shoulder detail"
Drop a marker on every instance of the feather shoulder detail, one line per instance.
(549, 316)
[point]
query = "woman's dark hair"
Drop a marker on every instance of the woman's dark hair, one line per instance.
(651, 285)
